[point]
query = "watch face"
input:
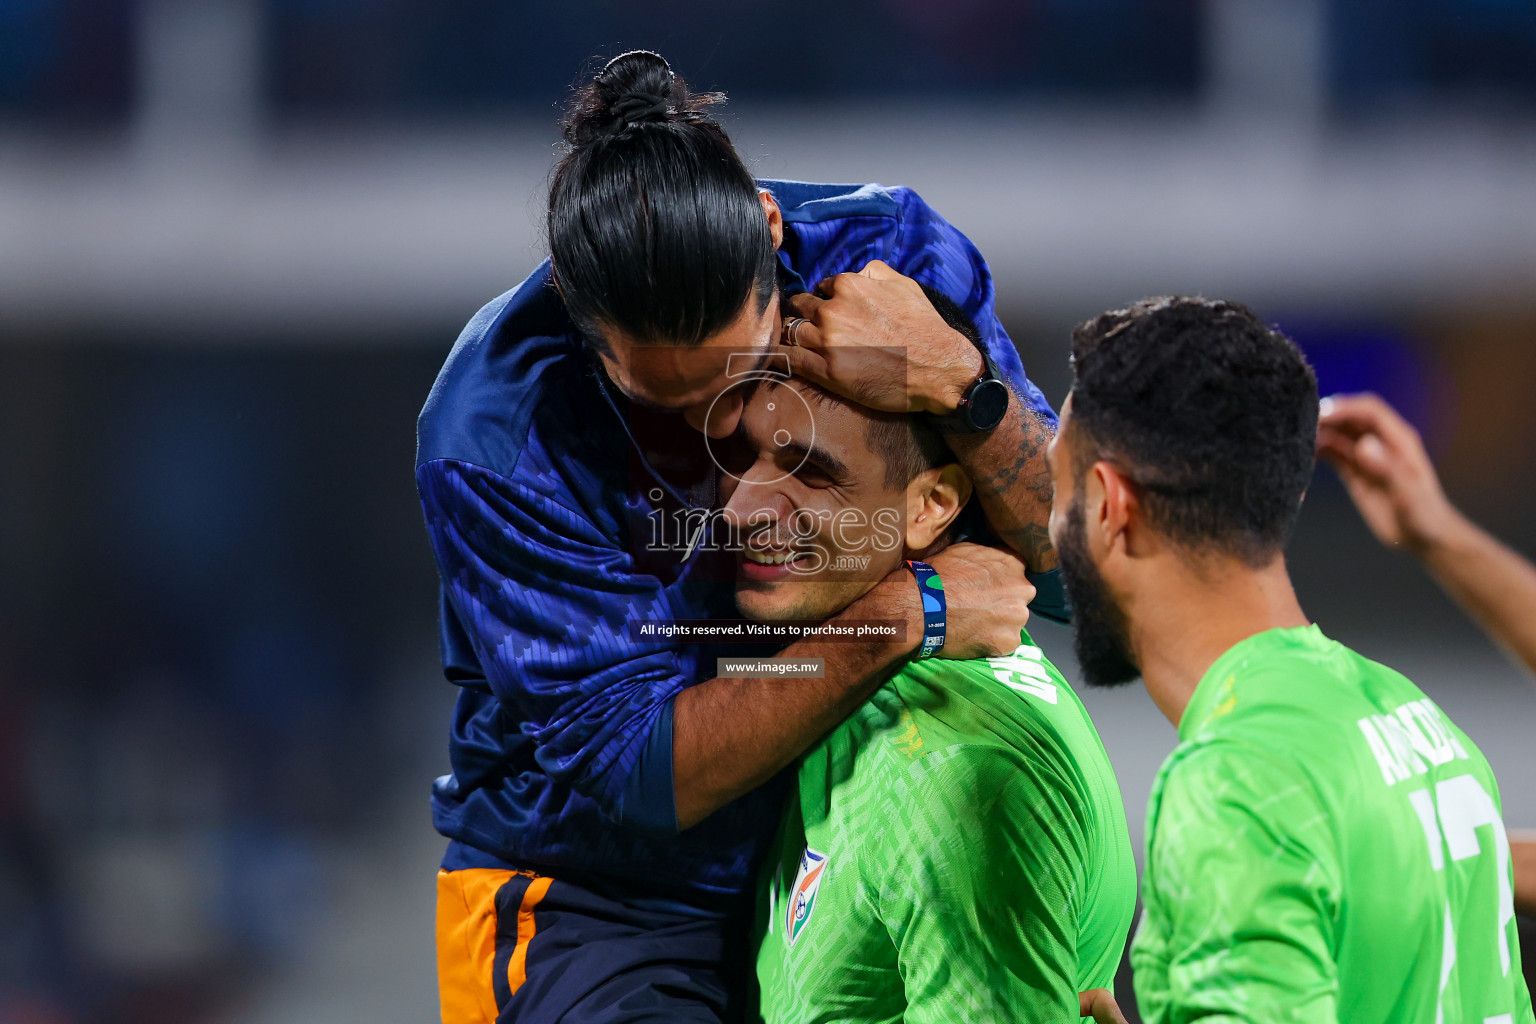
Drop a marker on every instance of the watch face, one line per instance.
(989, 403)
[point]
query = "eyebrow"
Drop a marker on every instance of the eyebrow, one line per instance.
(816, 453)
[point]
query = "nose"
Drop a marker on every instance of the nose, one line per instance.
(754, 500)
(718, 417)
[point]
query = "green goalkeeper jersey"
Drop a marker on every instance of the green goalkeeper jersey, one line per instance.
(956, 851)
(1324, 845)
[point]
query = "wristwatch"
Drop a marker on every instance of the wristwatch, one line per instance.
(982, 406)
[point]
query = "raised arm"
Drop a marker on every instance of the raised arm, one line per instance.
(1012, 481)
(1382, 462)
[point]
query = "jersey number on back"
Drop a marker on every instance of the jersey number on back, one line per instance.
(1451, 818)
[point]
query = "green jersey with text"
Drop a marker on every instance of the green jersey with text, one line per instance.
(1324, 845)
(956, 851)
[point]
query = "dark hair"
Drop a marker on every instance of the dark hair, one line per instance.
(908, 443)
(954, 316)
(1212, 413)
(655, 226)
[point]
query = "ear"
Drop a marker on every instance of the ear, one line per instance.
(1113, 509)
(934, 498)
(775, 218)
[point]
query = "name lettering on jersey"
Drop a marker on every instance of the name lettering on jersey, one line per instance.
(1410, 740)
(802, 895)
(1024, 670)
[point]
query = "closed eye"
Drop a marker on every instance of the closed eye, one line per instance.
(813, 466)
(813, 474)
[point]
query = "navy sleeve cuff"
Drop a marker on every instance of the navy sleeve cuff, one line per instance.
(1050, 597)
(648, 802)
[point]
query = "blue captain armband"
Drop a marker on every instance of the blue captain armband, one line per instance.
(931, 589)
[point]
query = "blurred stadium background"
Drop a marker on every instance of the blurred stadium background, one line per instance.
(238, 236)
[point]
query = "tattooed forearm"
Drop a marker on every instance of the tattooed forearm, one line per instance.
(1012, 481)
(1026, 468)
(1033, 542)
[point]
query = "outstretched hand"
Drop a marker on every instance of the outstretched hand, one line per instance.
(876, 340)
(1389, 476)
(1384, 466)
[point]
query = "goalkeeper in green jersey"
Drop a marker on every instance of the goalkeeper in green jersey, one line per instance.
(1323, 844)
(957, 849)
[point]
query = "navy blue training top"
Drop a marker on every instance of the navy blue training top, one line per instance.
(535, 487)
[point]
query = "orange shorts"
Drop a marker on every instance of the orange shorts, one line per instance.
(517, 947)
(484, 925)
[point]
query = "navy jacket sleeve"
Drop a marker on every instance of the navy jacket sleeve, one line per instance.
(933, 251)
(834, 229)
(545, 600)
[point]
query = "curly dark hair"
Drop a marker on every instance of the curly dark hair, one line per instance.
(1209, 410)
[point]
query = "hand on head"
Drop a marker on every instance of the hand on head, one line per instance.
(876, 339)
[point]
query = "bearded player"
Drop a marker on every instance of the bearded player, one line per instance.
(1323, 844)
(957, 849)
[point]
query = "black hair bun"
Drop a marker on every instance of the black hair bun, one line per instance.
(634, 88)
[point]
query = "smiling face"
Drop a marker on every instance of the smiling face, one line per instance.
(823, 517)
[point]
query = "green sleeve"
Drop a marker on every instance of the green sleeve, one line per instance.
(981, 896)
(1241, 892)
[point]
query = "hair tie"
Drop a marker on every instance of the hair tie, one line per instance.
(634, 107)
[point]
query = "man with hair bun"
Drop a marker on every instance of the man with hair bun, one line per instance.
(606, 801)
(1324, 844)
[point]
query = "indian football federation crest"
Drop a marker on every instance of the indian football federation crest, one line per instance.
(802, 896)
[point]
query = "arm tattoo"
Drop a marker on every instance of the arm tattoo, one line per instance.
(1027, 468)
(1034, 543)
(1012, 481)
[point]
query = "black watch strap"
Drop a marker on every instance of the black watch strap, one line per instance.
(982, 406)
